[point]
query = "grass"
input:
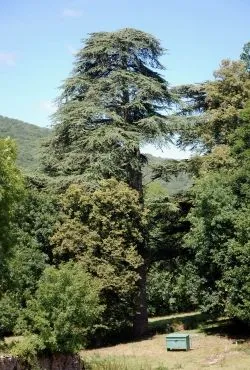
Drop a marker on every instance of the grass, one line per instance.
(215, 345)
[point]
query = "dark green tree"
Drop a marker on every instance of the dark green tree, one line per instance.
(103, 228)
(21, 262)
(37, 213)
(217, 125)
(111, 104)
(23, 268)
(114, 101)
(219, 219)
(172, 281)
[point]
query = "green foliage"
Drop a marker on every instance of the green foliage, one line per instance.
(64, 309)
(28, 138)
(212, 225)
(10, 308)
(109, 106)
(27, 349)
(23, 268)
(220, 228)
(172, 290)
(219, 115)
(221, 191)
(37, 213)
(11, 189)
(167, 225)
(20, 260)
(103, 228)
(226, 96)
(174, 173)
(219, 236)
(30, 228)
(11, 186)
(172, 281)
(239, 140)
(168, 174)
(114, 101)
(245, 55)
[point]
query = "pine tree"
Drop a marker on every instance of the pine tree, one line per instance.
(114, 101)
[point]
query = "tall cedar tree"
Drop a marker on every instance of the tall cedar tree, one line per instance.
(113, 102)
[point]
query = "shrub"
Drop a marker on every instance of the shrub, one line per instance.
(64, 310)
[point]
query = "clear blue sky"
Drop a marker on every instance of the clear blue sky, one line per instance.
(38, 39)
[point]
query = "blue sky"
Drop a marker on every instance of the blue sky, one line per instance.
(38, 40)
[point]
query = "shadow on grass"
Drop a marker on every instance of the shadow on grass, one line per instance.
(178, 323)
(185, 322)
(159, 325)
(232, 329)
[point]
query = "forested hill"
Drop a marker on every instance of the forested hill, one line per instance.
(28, 138)
(177, 184)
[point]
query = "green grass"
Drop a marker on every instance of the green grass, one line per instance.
(123, 363)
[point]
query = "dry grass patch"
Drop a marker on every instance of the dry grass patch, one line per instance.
(208, 352)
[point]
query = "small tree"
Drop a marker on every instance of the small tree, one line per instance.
(64, 310)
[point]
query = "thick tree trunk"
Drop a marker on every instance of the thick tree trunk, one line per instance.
(140, 324)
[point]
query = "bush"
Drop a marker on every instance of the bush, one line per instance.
(64, 310)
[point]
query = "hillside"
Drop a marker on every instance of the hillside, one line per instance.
(177, 184)
(28, 138)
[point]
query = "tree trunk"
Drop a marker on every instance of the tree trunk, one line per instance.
(140, 324)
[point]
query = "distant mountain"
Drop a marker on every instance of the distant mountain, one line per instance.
(28, 138)
(179, 183)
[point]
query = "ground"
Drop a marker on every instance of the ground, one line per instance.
(213, 346)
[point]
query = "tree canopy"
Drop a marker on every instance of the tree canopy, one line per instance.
(113, 102)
